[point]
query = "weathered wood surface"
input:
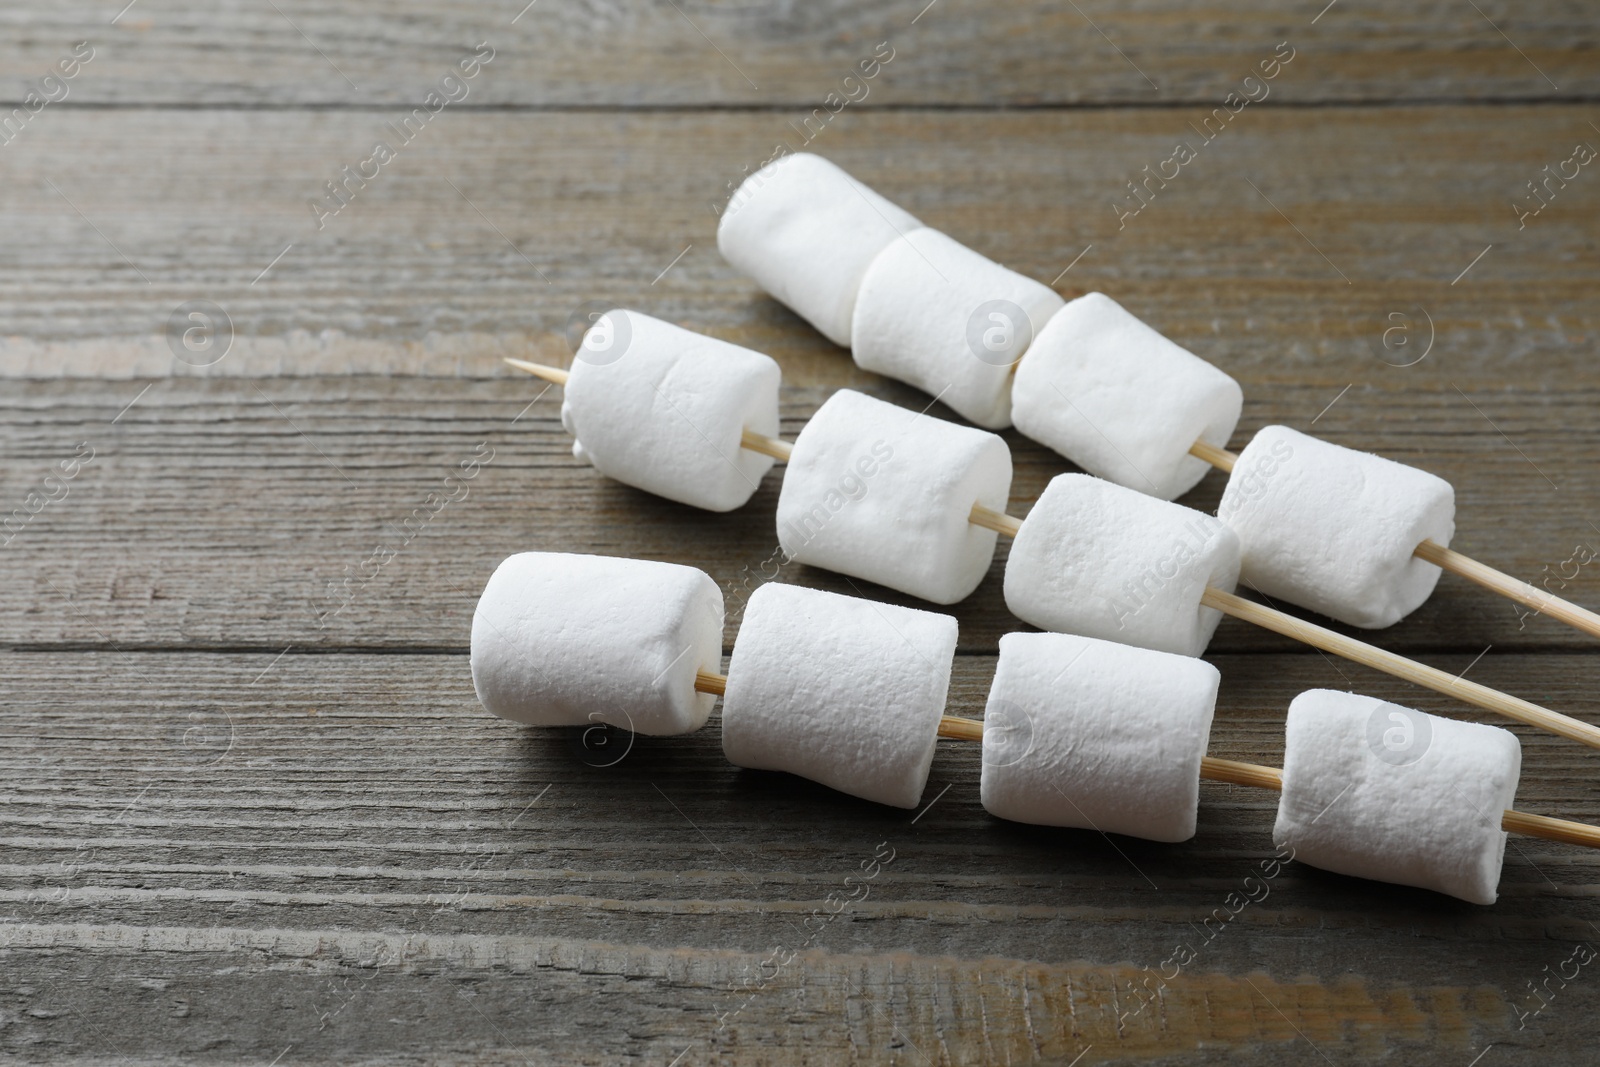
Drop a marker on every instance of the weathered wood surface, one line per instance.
(695, 53)
(243, 514)
(552, 211)
(345, 854)
(244, 820)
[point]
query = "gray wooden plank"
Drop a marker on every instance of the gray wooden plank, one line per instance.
(233, 513)
(309, 843)
(957, 52)
(490, 230)
(333, 854)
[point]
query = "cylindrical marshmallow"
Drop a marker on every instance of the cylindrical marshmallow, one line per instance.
(568, 640)
(936, 314)
(806, 231)
(842, 691)
(1097, 735)
(1376, 790)
(662, 409)
(1101, 560)
(1120, 400)
(878, 492)
(1332, 529)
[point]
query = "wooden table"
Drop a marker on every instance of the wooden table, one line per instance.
(252, 810)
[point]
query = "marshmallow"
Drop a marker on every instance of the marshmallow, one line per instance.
(1120, 400)
(843, 691)
(1096, 735)
(567, 640)
(936, 314)
(1376, 790)
(806, 231)
(1332, 529)
(663, 409)
(1096, 559)
(882, 493)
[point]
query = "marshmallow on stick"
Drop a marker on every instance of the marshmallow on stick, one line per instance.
(1120, 400)
(1380, 791)
(936, 314)
(878, 492)
(807, 232)
(1360, 571)
(665, 410)
(843, 691)
(560, 639)
(1097, 735)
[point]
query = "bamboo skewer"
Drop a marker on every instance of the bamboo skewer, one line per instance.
(775, 447)
(1511, 707)
(1523, 711)
(550, 374)
(715, 684)
(1259, 777)
(1249, 774)
(1449, 559)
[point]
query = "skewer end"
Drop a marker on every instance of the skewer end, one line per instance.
(540, 370)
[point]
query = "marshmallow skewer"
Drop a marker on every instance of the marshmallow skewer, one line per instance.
(1257, 776)
(1233, 772)
(1077, 731)
(1429, 550)
(1221, 600)
(1457, 563)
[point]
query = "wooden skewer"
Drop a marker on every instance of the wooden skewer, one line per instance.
(1511, 707)
(1219, 458)
(1257, 776)
(775, 447)
(540, 370)
(1465, 566)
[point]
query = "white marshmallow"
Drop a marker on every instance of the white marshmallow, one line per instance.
(1101, 560)
(1096, 735)
(805, 231)
(936, 314)
(567, 640)
(878, 492)
(1332, 529)
(1375, 790)
(1120, 400)
(842, 691)
(662, 409)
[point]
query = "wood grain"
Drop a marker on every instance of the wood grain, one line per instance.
(642, 55)
(551, 212)
(250, 810)
(231, 513)
(154, 860)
